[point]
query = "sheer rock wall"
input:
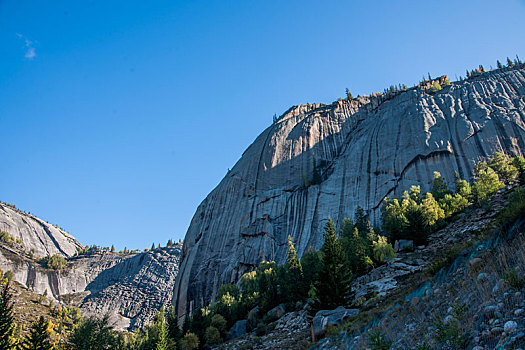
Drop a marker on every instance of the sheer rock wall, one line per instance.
(363, 150)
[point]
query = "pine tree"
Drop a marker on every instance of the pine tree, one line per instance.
(186, 325)
(348, 95)
(294, 278)
(95, 334)
(361, 222)
(112, 248)
(356, 252)
(462, 187)
(311, 264)
(39, 336)
(503, 165)
(499, 64)
(334, 286)
(509, 62)
(174, 331)
(439, 186)
(6, 319)
(519, 163)
(153, 246)
(161, 342)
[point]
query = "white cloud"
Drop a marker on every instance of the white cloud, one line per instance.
(29, 47)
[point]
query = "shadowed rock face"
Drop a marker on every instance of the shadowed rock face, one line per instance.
(363, 150)
(37, 234)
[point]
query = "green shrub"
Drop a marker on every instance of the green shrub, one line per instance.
(219, 322)
(451, 334)
(261, 329)
(382, 250)
(6, 238)
(435, 87)
(189, 342)
(377, 341)
(504, 166)
(513, 279)
(515, 207)
(212, 336)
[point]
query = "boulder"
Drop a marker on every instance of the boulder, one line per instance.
(510, 326)
(252, 318)
(475, 263)
(482, 277)
(404, 245)
(325, 318)
(238, 330)
(277, 312)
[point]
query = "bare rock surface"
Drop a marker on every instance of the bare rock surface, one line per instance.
(130, 288)
(136, 288)
(45, 239)
(318, 161)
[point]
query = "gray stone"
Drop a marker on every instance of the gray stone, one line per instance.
(475, 263)
(364, 150)
(237, 330)
(277, 312)
(489, 310)
(404, 245)
(496, 330)
(325, 318)
(482, 277)
(510, 326)
(252, 318)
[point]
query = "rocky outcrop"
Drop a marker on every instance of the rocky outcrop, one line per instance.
(319, 161)
(35, 234)
(325, 318)
(133, 290)
(130, 288)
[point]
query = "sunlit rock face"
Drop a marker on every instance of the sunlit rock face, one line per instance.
(362, 151)
(34, 233)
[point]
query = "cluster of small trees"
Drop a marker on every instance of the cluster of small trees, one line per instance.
(415, 215)
(6, 238)
(510, 63)
(55, 261)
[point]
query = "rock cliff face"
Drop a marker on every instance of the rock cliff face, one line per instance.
(321, 161)
(131, 288)
(37, 234)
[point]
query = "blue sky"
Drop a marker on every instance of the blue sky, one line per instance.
(117, 118)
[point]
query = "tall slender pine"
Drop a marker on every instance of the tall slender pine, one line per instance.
(334, 286)
(6, 319)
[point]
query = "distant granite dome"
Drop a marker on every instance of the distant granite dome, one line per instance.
(319, 161)
(44, 238)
